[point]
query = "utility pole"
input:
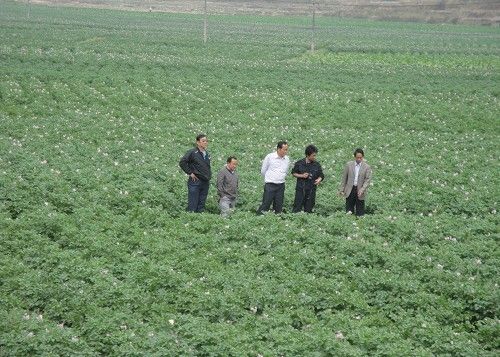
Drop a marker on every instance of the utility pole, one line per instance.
(205, 24)
(313, 27)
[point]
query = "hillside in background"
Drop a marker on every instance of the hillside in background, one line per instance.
(485, 12)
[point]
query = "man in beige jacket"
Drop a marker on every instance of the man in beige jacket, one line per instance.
(355, 181)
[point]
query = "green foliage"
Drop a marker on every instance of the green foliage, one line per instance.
(97, 255)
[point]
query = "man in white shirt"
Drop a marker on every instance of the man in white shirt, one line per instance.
(274, 169)
(356, 178)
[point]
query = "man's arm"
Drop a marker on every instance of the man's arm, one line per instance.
(184, 163)
(321, 176)
(265, 166)
(295, 171)
(368, 179)
(220, 183)
(344, 179)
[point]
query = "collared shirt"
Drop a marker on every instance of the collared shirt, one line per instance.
(356, 173)
(227, 183)
(275, 168)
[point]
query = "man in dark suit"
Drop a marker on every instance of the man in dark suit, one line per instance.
(309, 174)
(355, 181)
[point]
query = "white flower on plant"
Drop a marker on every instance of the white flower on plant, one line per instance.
(171, 321)
(74, 339)
(339, 335)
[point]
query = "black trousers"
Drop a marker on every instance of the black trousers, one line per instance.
(353, 201)
(305, 198)
(197, 195)
(273, 193)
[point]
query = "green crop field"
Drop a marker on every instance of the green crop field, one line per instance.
(98, 257)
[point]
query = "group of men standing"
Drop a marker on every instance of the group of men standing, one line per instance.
(196, 164)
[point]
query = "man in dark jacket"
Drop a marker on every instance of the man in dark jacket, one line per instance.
(196, 164)
(309, 174)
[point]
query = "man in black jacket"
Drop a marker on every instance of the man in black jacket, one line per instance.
(196, 164)
(309, 174)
